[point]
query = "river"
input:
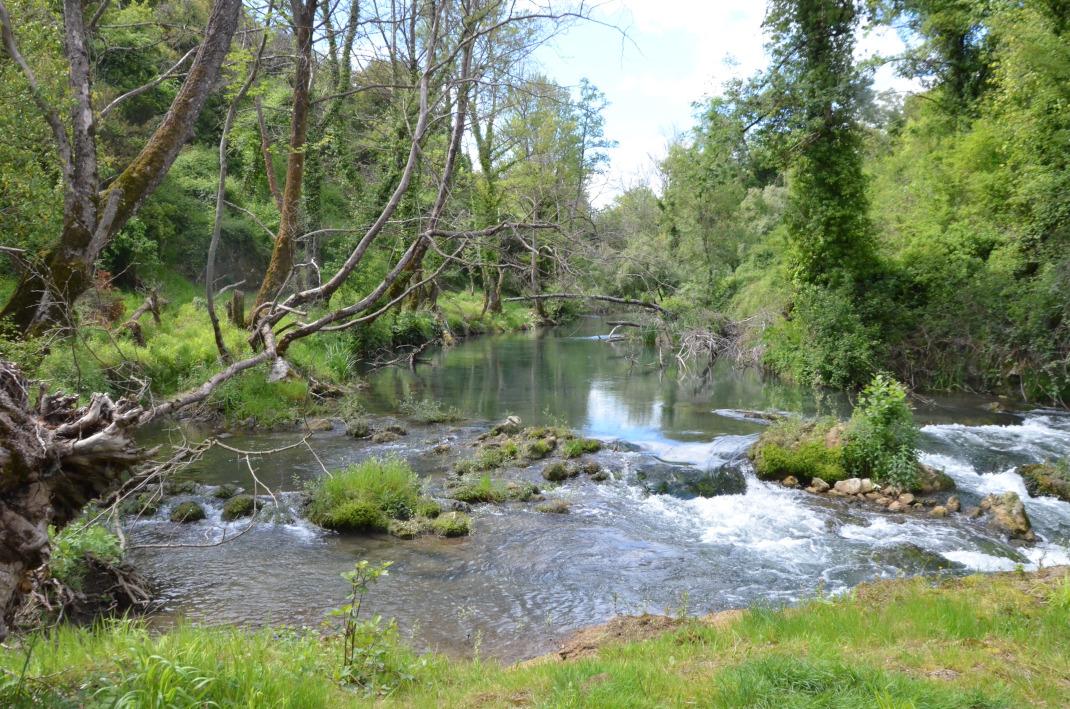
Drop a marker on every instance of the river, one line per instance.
(524, 580)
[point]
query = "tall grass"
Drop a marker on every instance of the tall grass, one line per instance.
(367, 495)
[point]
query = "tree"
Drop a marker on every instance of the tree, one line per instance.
(92, 211)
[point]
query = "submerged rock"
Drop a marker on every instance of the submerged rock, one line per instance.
(1007, 514)
(185, 512)
(239, 506)
(226, 491)
(558, 471)
(687, 481)
(819, 485)
(557, 507)
(931, 480)
(1045, 479)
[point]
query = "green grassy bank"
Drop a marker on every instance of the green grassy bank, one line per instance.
(180, 351)
(982, 641)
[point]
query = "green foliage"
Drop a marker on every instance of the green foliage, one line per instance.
(880, 441)
(367, 496)
(803, 449)
(474, 489)
(575, 447)
(452, 524)
(71, 545)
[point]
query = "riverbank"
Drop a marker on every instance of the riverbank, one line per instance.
(978, 641)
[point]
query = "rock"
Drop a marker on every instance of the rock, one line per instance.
(226, 491)
(319, 425)
(239, 506)
(396, 430)
(185, 512)
(896, 506)
(1008, 516)
(408, 528)
(819, 485)
(790, 481)
(851, 486)
(385, 437)
(872, 495)
(441, 449)
(180, 487)
(688, 481)
(931, 480)
(938, 511)
(906, 498)
(600, 476)
(591, 468)
(953, 504)
(883, 500)
(509, 427)
(867, 486)
(557, 507)
(625, 447)
(1045, 479)
(972, 512)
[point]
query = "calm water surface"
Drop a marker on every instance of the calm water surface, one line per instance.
(524, 580)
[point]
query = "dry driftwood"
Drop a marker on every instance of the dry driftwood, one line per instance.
(153, 303)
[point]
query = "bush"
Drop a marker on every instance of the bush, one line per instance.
(881, 437)
(71, 545)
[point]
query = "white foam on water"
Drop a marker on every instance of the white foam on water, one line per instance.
(703, 454)
(1038, 436)
(979, 561)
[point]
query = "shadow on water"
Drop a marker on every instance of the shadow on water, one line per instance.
(524, 580)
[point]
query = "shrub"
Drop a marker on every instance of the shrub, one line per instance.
(365, 496)
(452, 524)
(71, 545)
(576, 447)
(881, 437)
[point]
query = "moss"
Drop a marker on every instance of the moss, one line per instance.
(452, 524)
(521, 491)
(226, 491)
(558, 471)
(803, 449)
(180, 487)
(1047, 479)
(428, 508)
(353, 516)
(576, 447)
(144, 503)
(186, 512)
(408, 528)
(240, 506)
(557, 507)
(358, 428)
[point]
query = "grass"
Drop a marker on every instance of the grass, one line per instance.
(575, 447)
(71, 544)
(976, 642)
(464, 315)
(798, 448)
(428, 411)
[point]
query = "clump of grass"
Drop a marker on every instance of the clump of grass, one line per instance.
(452, 524)
(365, 496)
(428, 411)
(489, 458)
(575, 447)
(472, 489)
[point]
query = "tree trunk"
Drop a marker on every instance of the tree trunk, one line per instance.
(54, 457)
(282, 257)
(90, 219)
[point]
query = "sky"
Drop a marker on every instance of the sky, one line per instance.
(659, 58)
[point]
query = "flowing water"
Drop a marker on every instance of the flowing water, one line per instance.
(524, 580)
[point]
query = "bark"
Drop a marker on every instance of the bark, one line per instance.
(265, 151)
(54, 457)
(152, 304)
(91, 218)
(282, 256)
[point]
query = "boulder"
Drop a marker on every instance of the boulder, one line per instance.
(953, 504)
(896, 506)
(931, 480)
(1007, 514)
(819, 485)
(906, 498)
(385, 437)
(553, 507)
(239, 506)
(509, 427)
(185, 512)
(688, 481)
(226, 491)
(319, 425)
(1045, 479)
(790, 481)
(851, 486)
(558, 471)
(938, 511)
(867, 486)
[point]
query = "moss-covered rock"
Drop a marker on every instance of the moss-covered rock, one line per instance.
(240, 506)
(575, 447)
(689, 481)
(226, 491)
(186, 512)
(539, 448)
(144, 503)
(802, 449)
(452, 524)
(930, 480)
(475, 489)
(354, 516)
(409, 528)
(180, 487)
(1046, 479)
